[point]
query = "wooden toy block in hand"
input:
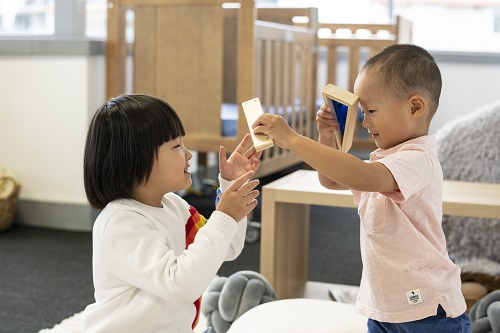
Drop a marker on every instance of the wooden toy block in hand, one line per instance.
(344, 106)
(253, 110)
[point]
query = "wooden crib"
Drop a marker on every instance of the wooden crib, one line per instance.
(205, 59)
(347, 47)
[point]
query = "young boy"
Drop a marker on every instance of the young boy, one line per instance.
(408, 284)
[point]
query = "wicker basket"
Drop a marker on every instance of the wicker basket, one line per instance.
(9, 194)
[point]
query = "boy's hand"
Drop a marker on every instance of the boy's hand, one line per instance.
(326, 123)
(239, 200)
(238, 163)
(276, 128)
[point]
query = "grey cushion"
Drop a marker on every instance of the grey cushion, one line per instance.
(227, 298)
(485, 314)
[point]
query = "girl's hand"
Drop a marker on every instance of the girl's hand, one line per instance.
(238, 163)
(239, 200)
(276, 128)
(326, 123)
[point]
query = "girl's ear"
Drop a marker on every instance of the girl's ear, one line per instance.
(418, 106)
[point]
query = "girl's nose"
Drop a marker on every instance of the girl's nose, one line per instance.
(189, 155)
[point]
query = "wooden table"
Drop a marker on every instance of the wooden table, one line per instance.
(285, 224)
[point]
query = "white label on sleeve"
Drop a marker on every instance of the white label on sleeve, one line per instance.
(414, 297)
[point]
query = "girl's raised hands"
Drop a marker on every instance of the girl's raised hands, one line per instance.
(238, 163)
(239, 199)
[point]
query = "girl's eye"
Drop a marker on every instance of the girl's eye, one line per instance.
(371, 111)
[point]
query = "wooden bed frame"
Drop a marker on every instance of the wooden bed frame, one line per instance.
(198, 55)
(373, 42)
(368, 45)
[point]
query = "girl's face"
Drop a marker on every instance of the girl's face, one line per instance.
(386, 118)
(169, 173)
(170, 170)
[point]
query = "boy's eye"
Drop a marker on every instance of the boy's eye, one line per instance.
(371, 111)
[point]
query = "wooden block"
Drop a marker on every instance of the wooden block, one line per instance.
(253, 110)
(344, 105)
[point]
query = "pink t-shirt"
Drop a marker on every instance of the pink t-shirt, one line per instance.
(406, 269)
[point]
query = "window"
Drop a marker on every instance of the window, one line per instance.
(53, 17)
(26, 17)
(438, 25)
(96, 18)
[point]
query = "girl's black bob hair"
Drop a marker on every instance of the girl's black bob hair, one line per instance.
(122, 143)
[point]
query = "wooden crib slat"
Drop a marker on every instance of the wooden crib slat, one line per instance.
(354, 63)
(293, 75)
(277, 83)
(332, 61)
(246, 62)
(286, 73)
(230, 58)
(182, 67)
(267, 67)
(259, 70)
(115, 52)
(299, 90)
(145, 51)
(307, 96)
(268, 79)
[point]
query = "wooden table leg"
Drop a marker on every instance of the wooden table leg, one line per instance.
(284, 245)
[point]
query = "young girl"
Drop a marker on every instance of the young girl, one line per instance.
(409, 283)
(152, 260)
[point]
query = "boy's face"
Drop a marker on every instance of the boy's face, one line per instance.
(170, 170)
(386, 118)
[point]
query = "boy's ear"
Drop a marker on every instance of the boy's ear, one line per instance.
(418, 106)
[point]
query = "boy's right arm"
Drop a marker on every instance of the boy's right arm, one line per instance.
(327, 126)
(343, 168)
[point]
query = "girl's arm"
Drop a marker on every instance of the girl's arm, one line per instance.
(144, 257)
(238, 241)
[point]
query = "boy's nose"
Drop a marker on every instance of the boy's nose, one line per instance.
(365, 123)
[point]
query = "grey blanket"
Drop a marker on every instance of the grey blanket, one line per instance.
(469, 150)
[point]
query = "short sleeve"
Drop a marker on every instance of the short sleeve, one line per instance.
(412, 168)
(356, 195)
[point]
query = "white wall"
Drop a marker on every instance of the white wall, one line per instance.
(44, 114)
(466, 86)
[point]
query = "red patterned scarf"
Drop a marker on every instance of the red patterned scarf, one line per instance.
(194, 223)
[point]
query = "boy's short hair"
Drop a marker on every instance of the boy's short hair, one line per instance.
(405, 70)
(122, 144)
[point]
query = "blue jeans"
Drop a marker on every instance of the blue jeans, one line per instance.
(435, 324)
